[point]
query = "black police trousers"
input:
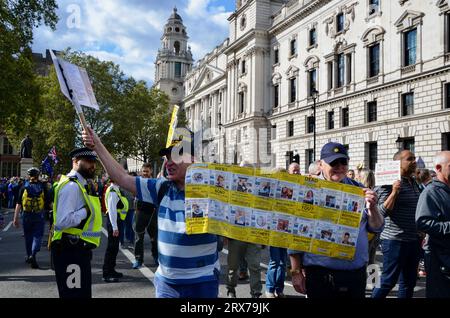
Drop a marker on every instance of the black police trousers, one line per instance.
(72, 262)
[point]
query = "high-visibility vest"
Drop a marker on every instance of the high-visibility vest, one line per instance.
(91, 231)
(121, 211)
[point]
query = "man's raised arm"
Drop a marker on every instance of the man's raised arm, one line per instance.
(114, 169)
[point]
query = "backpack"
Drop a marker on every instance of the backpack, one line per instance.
(33, 197)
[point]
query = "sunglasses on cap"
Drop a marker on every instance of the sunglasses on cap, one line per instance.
(341, 161)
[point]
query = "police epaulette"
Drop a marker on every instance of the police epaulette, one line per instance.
(74, 178)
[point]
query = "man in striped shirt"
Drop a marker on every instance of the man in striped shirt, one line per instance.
(400, 239)
(188, 264)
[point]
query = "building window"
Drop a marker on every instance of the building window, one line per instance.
(407, 104)
(219, 118)
(446, 141)
(273, 132)
(312, 37)
(447, 95)
(372, 111)
(340, 22)
(276, 56)
(243, 69)
(292, 90)
(177, 69)
(374, 6)
(330, 118)
(220, 97)
(340, 70)
(372, 154)
(374, 60)
(241, 102)
(312, 80)
(410, 47)
(330, 75)
(176, 46)
(310, 124)
(447, 33)
(309, 158)
(348, 68)
(345, 117)
(293, 47)
(276, 95)
(7, 147)
(290, 128)
(407, 144)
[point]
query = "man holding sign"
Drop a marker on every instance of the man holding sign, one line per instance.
(328, 277)
(188, 264)
(400, 239)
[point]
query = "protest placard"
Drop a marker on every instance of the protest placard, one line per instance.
(386, 173)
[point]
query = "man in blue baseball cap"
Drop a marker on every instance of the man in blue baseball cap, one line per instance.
(325, 277)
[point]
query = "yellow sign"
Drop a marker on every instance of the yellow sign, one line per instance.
(172, 125)
(295, 212)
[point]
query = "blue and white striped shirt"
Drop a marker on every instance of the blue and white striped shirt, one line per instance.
(183, 259)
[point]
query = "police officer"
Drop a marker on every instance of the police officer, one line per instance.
(78, 220)
(116, 208)
(33, 200)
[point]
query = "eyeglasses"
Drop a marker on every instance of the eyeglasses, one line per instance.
(337, 162)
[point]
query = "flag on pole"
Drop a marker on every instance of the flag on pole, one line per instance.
(53, 155)
(47, 166)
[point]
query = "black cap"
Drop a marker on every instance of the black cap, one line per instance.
(332, 151)
(184, 136)
(83, 153)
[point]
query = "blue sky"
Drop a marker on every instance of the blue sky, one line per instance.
(128, 32)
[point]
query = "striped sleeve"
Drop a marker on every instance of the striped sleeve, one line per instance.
(383, 193)
(147, 189)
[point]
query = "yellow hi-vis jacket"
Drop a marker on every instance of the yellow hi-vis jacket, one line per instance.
(91, 230)
(121, 211)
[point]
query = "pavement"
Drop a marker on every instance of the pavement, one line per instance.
(18, 280)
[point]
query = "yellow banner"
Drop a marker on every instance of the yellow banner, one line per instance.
(172, 125)
(290, 211)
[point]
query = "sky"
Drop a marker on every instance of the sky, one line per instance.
(128, 32)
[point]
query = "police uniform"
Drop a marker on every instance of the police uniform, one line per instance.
(78, 220)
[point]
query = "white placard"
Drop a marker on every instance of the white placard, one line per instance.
(75, 78)
(387, 173)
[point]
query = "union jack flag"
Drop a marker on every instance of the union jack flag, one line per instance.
(52, 154)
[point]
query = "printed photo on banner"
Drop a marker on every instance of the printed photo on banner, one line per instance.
(261, 219)
(309, 195)
(197, 208)
(240, 215)
(287, 191)
(265, 187)
(220, 179)
(281, 223)
(303, 227)
(331, 199)
(347, 235)
(325, 231)
(353, 203)
(243, 183)
(198, 176)
(218, 210)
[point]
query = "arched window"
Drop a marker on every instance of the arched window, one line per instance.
(176, 46)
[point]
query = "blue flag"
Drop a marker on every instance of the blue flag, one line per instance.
(47, 166)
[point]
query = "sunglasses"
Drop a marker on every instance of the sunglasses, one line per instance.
(337, 162)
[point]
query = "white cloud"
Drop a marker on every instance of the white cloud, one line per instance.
(128, 32)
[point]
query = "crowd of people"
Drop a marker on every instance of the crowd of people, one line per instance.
(408, 221)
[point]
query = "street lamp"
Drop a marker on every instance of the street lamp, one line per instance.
(314, 94)
(399, 143)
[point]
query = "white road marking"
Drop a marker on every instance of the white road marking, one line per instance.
(8, 226)
(147, 272)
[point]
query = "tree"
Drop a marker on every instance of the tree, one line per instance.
(143, 126)
(18, 87)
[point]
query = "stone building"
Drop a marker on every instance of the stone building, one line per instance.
(375, 71)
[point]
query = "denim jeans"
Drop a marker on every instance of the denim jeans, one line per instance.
(208, 289)
(33, 229)
(400, 262)
(276, 272)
